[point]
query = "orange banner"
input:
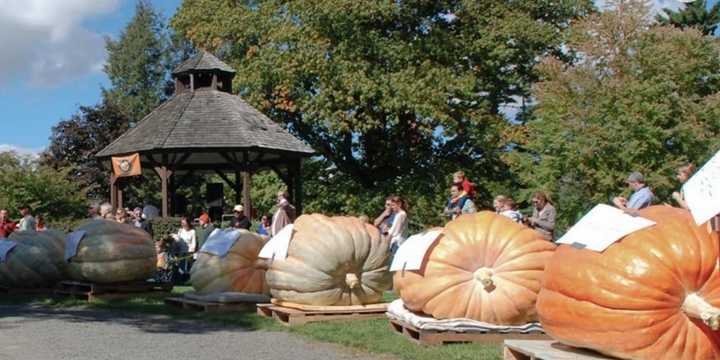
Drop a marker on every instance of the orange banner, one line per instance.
(126, 165)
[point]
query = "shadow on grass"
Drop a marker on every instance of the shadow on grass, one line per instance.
(148, 314)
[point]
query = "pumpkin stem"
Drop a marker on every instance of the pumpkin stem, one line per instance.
(352, 280)
(696, 307)
(484, 276)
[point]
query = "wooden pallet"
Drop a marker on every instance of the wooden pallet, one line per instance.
(437, 337)
(295, 314)
(91, 291)
(209, 306)
(547, 350)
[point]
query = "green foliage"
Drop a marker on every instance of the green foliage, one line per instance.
(638, 98)
(46, 190)
(395, 95)
(137, 64)
(695, 14)
(163, 228)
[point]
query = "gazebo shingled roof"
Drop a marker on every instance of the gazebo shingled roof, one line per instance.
(204, 128)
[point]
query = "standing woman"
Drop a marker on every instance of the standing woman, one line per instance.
(397, 233)
(186, 243)
(683, 175)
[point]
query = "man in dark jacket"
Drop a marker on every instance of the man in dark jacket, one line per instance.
(240, 221)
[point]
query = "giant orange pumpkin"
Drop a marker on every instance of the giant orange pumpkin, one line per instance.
(653, 295)
(332, 261)
(484, 267)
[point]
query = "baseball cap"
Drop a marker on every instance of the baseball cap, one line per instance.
(238, 208)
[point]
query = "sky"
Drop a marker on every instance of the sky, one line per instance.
(52, 59)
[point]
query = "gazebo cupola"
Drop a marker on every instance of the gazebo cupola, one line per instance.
(203, 71)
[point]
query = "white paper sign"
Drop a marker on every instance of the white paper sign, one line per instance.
(702, 191)
(72, 242)
(220, 242)
(5, 247)
(411, 253)
(277, 247)
(603, 226)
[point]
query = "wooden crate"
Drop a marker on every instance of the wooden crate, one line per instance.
(295, 314)
(547, 350)
(209, 306)
(437, 337)
(91, 291)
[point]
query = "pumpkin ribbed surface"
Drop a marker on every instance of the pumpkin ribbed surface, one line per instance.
(644, 297)
(235, 272)
(483, 267)
(332, 261)
(35, 262)
(112, 252)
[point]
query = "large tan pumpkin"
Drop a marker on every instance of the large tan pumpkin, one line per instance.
(655, 294)
(332, 261)
(35, 262)
(237, 271)
(483, 267)
(111, 252)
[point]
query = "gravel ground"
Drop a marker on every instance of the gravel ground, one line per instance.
(39, 333)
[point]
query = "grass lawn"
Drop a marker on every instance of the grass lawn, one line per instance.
(372, 336)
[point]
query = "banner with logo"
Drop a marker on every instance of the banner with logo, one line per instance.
(126, 165)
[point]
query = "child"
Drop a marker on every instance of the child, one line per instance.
(162, 273)
(466, 186)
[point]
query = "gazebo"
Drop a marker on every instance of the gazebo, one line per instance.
(203, 129)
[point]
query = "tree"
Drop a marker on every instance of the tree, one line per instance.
(637, 98)
(46, 190)
(137, 64)
(385, 90)
(695, 14)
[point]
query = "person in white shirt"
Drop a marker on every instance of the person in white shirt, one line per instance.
(186, 243)
(505, 206)
(397, 232)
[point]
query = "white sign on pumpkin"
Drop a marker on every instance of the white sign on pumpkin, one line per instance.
(411, 253)
(603, 226)
(702, 191)
(277, 247)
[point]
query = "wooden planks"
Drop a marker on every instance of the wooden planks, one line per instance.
(91, 291)
(547, 350)
(291, 316)
(209, 306)
(25, 292)
(436, 337)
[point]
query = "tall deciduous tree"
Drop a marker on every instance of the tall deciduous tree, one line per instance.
(137, 64)
(695, 14)
(637, 98)
(385, 89)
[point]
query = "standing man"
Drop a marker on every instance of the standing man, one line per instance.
(27, 223)
(240, 221)
(203, 231)
(641, 197)
(543, 216)
(284, 215)
(6, 226)
(94, 211)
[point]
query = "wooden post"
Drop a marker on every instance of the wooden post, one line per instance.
(247, 202)
(238, 188)
(119, 194)
(164, 175)
(113, 191)
(297, 187)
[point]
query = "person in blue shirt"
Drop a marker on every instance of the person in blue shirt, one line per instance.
(641, 197)
(264, 228)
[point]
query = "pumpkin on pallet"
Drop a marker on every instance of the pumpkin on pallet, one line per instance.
(111, 252)
(655, 294)
(332, 261)
(236, 271)
(36, 261)
(483, 267)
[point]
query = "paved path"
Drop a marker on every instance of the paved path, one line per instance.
(39, 333)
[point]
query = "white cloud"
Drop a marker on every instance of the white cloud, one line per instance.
(44, 41)
(23, 151)
(656, 6)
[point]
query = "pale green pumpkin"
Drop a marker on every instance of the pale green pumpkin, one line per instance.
(111, 252)
(35, 262)
(332, 261)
